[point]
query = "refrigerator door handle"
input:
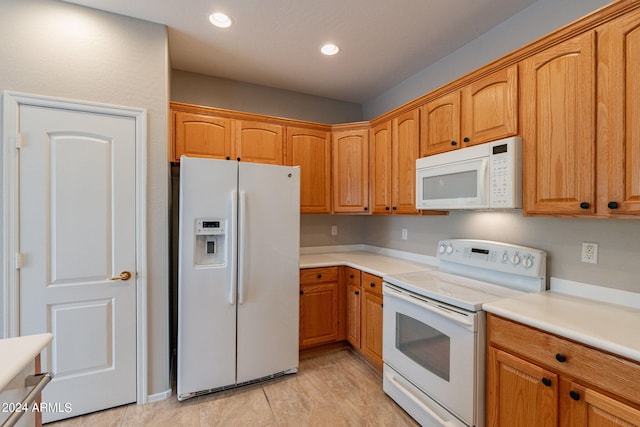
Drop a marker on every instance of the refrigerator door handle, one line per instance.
(242, 259)
(233, 248)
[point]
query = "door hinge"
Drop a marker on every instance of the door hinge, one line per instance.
(19, 261)
(18, 140)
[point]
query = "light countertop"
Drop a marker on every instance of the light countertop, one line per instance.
(610, 327)
(17, 353)
(374, 263)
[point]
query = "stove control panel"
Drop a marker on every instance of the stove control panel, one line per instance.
(495, 256)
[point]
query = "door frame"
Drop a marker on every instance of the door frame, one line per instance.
(10, 215)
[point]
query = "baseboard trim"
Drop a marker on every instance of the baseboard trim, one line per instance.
(159, 396)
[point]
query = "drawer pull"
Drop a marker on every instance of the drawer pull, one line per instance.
(301, 292)
(574, 395)
(351, 276)
(373, 285)
(546, 381)
(357, 292)
(561, 358)
(319, 276)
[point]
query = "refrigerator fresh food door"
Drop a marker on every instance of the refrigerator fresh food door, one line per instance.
(207, 275)
(268, 270)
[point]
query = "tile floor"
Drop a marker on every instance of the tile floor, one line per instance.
(330, 389)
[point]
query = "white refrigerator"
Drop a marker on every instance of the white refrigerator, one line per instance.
(238, 272)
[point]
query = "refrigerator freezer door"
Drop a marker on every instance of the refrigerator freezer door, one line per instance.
(206, 290)
(268, 270)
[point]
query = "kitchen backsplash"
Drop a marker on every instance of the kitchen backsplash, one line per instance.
(618, 240)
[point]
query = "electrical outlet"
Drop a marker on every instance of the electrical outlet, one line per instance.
(334, 230)
(590, 252)
(404, 234)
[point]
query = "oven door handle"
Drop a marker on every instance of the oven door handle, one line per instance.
(414, 399)
(458, 318)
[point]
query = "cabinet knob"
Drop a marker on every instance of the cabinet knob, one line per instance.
(366, 208)
(228, 158)
(561, 358)
(351, 276)
(466, 139)
(386, 208)
(612, 205)
(394, 208)
(454, 143)
(373, 285)
(546, 381)
(574, 395)
(238, 158)
(357, 292)
(585, 205)
(319, 276)
(301, 292)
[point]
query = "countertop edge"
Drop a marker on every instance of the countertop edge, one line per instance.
(27, 347)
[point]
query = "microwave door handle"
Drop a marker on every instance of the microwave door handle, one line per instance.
(483, 184)
(458, 318)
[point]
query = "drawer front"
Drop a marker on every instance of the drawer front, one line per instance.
(318, 275)
(372, 284)
(353, 277)
(586, 364)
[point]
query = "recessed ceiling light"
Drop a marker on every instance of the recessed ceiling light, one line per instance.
(329, 49)
(220, 20)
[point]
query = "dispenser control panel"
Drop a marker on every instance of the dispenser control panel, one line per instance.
(209, 227)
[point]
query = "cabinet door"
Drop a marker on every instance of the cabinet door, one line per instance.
(558, 128)
(519, 393)
(318, 314)
(311, 150)
(353, 315)
(619, 93)
(584, 407)
(199, 135)
(381, 170)
(406, 147)
(371, 332)
(258, 142)
(440, 125)
(490, 107)
(351, 171)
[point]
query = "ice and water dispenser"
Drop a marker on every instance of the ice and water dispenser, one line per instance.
(210, 241)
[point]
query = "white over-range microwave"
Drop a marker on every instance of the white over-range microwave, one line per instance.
(485, 176)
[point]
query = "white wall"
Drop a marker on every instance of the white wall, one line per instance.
(199, 89)
(539, 19)
(58, 49)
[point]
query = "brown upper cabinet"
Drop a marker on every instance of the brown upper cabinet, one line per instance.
(200, 132)
(395, 147)
(311, 150)
(618, 137)
(558, 127)
(350, 147)
(482, 111)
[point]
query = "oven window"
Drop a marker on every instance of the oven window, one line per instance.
(423, 344)
(450, 186)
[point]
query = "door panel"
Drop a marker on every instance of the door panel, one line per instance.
(77, 231)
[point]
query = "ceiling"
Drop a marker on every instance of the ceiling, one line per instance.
(276, 43)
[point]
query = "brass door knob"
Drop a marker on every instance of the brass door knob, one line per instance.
(125, 275)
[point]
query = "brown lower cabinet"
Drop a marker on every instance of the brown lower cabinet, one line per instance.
(539, 379)
(338, 304)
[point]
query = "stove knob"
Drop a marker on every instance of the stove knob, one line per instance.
(527, 262)
(515, 260)
(449, 249)
(441, 249)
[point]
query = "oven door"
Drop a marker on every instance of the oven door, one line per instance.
(435, 347)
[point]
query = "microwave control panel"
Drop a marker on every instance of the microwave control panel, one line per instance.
(505, 174)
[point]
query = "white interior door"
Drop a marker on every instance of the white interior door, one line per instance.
(77, 231)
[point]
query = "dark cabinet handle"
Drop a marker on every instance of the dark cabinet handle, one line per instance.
(395, 208)
(574, 395)
(454, 143)
(466, 139)
(357, 292)
(386, 208)
(351, 276)
(366, 208)
(546, 381)
(373, 285)
(584, 205)
(238, 159)
(319, 276)
(228, 158)
(301, 292)
(561, 358)
(613, 205)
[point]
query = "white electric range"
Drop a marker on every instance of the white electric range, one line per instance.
(434, 327)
